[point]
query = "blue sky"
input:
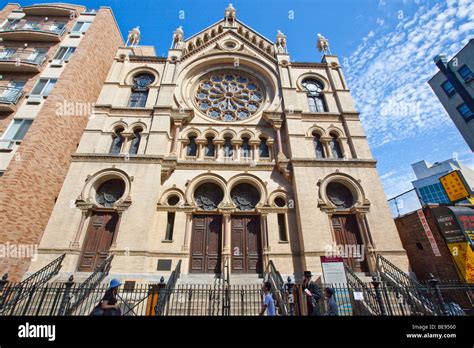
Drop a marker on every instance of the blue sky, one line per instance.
(385, 46)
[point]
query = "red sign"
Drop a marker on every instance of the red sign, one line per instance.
(428, 233)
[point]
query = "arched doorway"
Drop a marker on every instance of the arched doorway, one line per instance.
(246, 237)
(206, 244)
(346, 228)
(102, 226)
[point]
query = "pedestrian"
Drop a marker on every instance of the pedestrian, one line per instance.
(268, 304)
(312, 293)
(331, 303)
(108, 305)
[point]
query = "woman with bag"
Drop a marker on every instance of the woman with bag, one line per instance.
(108, 305)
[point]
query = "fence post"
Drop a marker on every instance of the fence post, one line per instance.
(65, 300)
(439, 296)
(3, 282)
(161, 295)
(378, 295)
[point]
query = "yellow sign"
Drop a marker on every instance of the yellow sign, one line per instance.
(454, 186)
(464, 259)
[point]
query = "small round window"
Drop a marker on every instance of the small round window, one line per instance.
(173, 200)
(110, 192)
(280, 202)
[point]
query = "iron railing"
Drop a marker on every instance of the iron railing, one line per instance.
(367, 300)
(413, 292)
(86, 288)
(10, 95)
(165, 292)
(278, 287)
(12, 294)
(243, 300)
(23, 56)
(54, 27)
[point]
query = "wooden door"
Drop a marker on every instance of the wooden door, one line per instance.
(246, 244)
(99, 237)
(206, 243)
(347, 233)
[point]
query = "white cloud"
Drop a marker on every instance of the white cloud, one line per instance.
(389, 70)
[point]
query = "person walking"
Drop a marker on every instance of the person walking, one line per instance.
(312, 293)
(268, 304)
(331, 303)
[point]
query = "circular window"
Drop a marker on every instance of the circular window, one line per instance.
(173, 200)
(229, 96)
(230, 45)
(110, 192)
(245, 196)
(280, 202)
(339, 195)
(208, 196)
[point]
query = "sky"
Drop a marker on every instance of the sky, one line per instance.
(386, 48)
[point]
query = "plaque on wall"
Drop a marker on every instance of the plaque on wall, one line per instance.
(164, 265)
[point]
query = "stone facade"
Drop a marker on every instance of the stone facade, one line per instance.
(174, 158)
(34, 175)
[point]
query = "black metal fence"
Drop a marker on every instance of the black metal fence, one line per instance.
(380, 298)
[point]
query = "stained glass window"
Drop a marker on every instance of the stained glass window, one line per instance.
(110, 192)
(314, 91)
(245, 196)
(339, 195)
(208, 196)
(229, 96)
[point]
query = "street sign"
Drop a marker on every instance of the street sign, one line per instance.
(455, 186)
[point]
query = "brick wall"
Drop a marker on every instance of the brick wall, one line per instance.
(423, 262)
(29, 187)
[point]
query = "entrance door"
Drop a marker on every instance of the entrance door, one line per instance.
(99, 237)
(347, 233)
(246, 244)
(206, 244)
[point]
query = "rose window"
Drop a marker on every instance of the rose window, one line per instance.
(229, 96)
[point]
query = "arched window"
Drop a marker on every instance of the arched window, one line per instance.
(208, 196)
(314, 92)
(192, 147)
(210, 148)
(263, 151)
(335, 146)
(339, 195)
(245, 196)
(110, 192)
(245, 149)
(318, 146)
(117, 141)
(140, 90)
(228, 147)
(137, 136)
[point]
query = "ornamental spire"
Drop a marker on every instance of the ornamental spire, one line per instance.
(230, 15)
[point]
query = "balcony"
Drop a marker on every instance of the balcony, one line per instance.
(27, 61)
(24, 30)
(48, 10)
(9, 97)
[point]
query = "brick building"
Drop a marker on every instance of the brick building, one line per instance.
(425, 245)
(53, 61)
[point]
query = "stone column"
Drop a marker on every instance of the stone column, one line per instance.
(277, 127)
(270, 144)
(187, 230)
(77, 237)
(200, 148)
(219, 151)
(236, 144)
(174, 148)
(326, 147)
(254, 144)
(226, 234)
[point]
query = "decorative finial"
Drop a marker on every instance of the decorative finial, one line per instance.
(281, 42)
(323, 45)
(178, 38)
(230, 15)
(133, 37)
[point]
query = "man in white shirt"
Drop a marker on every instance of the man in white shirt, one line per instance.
(268, 303)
